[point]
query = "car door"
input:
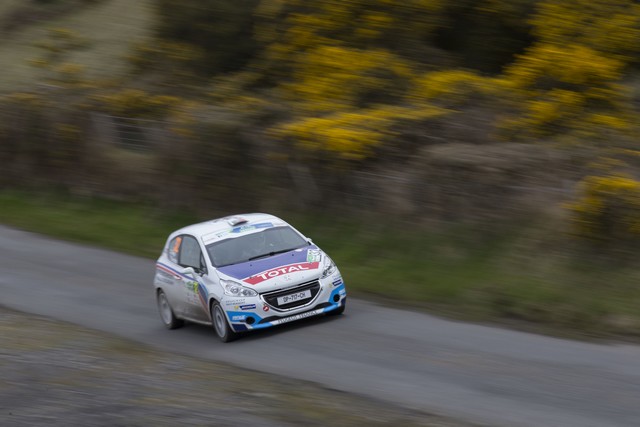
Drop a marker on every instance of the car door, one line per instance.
(169, 269)
(194, 292)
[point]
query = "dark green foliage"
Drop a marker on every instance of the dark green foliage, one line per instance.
(221, 29)
(486, 37)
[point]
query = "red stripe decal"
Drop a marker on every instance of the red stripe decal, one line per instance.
(275, 272)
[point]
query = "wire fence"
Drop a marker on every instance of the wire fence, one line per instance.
(424, 188)
(129, 132)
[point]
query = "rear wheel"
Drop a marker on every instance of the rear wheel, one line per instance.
(166, 312)
(220, 324)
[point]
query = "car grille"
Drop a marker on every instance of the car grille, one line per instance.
(271, 298)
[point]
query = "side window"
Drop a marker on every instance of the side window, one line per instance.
(174, 249)
(190, 254)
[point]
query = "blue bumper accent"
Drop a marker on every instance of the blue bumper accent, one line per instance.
(340, 290)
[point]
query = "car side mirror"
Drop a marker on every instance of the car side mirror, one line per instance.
(188, 270)
(194, 270)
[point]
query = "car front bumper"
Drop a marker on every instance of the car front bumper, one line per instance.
(255, 313)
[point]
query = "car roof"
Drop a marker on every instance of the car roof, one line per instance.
(216, 229)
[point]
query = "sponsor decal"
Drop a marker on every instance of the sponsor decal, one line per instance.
(314, 255)
(265, 307)
(342, 292)
(247, 307)
(192, 286)
(238, 317)
(296, 317)
(243, 228)
(170, 272)
(251, 268)
(275, 272)
(251, 227)
(234, 302)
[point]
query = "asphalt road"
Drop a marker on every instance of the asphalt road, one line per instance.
(470, 372)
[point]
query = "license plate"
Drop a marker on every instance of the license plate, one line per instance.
(287, 299)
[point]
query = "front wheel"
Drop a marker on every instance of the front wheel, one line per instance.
(166, 312)
(220, 324)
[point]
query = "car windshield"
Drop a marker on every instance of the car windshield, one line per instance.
(256, 245)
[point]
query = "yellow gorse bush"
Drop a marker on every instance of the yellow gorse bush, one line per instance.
(352, 135)
(607, 209)
(291, 27)
(611, 27)
(566, 90)
(452, 87)
(567, 83)
(545, 66)
(334, 57)
(336, 77)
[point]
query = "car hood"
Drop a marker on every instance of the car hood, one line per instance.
(289, 268)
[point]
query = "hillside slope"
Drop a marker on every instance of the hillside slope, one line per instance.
(109, 27)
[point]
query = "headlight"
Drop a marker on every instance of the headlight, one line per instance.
(328, 267)
(234, 289)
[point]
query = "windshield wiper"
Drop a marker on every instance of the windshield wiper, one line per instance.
(271, 253)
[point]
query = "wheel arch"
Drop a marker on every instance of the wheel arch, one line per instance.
(212, 299)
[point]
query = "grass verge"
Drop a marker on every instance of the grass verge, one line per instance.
(524, 277)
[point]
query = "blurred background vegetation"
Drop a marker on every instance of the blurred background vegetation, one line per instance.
(479, 158)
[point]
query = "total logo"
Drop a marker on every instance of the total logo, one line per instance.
(265, 307)
(275, 272)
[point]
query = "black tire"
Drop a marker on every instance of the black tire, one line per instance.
(167, 316)
(338, 311)
(220, 324)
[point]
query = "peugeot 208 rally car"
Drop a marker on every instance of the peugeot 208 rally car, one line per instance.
(244, 272)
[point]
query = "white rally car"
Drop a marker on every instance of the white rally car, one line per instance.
(244, 272)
